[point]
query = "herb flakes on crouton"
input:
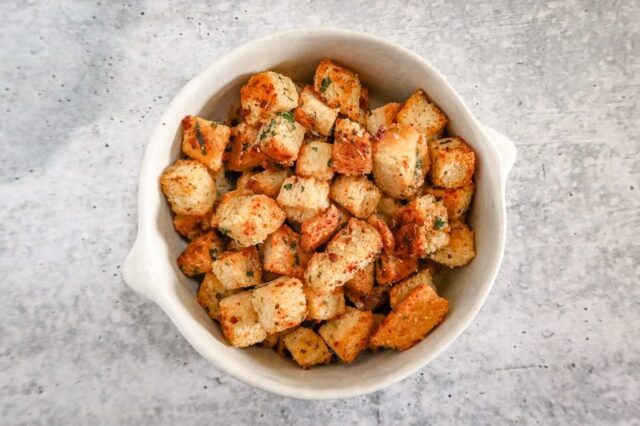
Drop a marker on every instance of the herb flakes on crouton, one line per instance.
(453, 162)
(423, 227)
(189, 187)
(266, 93)
(320, 228)
(280, 304)
(460, 249)
(456, 200)
(352, 151)
(383, 117)
(196, 258)
(357, 194)
(238, 269)
(204, 141)
(307, 348)
(314, 160)
(313, 114)
(303, 198)
(280, 138)
(210, 293)
(348, 334)
(239, 322)
(423, 116)
(243, 153)
(339, 87)
(282, 254)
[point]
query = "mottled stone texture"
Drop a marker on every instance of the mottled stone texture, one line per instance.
(82, 84)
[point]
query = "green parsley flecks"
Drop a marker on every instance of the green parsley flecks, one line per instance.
(288, 115)
(249, 273)
(324, 85)
(438, 223)
(200, 139)
(287, 186)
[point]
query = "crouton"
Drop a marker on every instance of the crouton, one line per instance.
(282, 254)
(378, 296)
(268, 182)
(397, 165)
(423, 227)
(266, 93)
(303, 198)
(197, 256)
(338, 87)
(313, 114)
(352, 152)
(460, 249)
(362, 282)
(223, 182)
(307, 348)
(402, 289)
(314, 160)
(204, 141)
(280, 304)
(192, 226)
(453, 163)
(248, 219)
(388, 240)
(377, 321)
(422, 115)
(270, 341)
(324, 306)
(411, 320)
(320, 228)
(384, 116)
(348, 334)
(239, 322)
(243, 153)
(238, 269)
(357, 194)
(242, 184)
(280, 138)
(189, 187)
(387, 208)
(456, 200)
(392, 268)
(210, 293)
(351, 249)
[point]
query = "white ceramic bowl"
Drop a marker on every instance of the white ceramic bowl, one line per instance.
(391, 73)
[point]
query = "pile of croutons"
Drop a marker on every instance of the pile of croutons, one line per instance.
(315, 224)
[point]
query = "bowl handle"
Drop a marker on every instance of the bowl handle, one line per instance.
(506, 148)
(137, 273)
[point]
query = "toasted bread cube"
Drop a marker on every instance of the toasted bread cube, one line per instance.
(357, 194)
(422, 115)
(192, 226)
(351, 249)
(238, 269)
(453, 163)
(384, 117)
(348, 334)
(339, 87)
(282, 254)
(387, 208)
(456, 200)
(320, 228)
(314, 160)
(239, 322)
(388, 240)
(352, 151)
(197, 256)
(423, 227)
(460, 249)
(307, 348)
(280, 304)
(411, 320)
(268, 182)
(313, 114)
(204, 141)
(363, 281)
(189, 187)
(280, 138)
(266, 93)
(303, 198)
(248, 219)
(402, 289)
(377, 298)
(324, 306)
(243, 152)
(377, 321)
(242, 184)
(392, 268)
(210, 293)
(397, 166)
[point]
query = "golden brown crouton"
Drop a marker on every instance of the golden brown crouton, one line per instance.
(388, 240)
(423, 227)
(352, 152)
(339, 87)
(314, 160)
(238, 269)
(243, 153)
(363, 280)
(303, 198)
(282, 254)
(280, 138)
(377, 321)
(307, 348)
(266, 93)
(324, 306)
(411, 320)
(313, 114)
(210, 293)
(189, 187)
(387, 208)
(392, 268)
(422, 115)
(378, 296)
(402, 289)
(268, 182)
(192, 226)
(239, 322)
(197, 256)
(456, 200)
(320, 228)
(348, 334)
(384, 116)
(452, 163)
(280, 304)
(357, 194)
(460, 249)
(204, 141)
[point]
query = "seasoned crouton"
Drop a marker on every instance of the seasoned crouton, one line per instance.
(189, 187)
(280, 304)
(239, 322)
(352, 152)
(387, 208)
(197, 256)
(248, 219)
(453, 162)
(192, 226)
(266, 93)
(210, 293)
(204, 141)
(384, 116)
(423, 227)
(348, 334)
(363, 280)
(397, 165)
(353, 247)
(223, 182)
(307, 348)
(242, 184)
(423, 116)
(402, 289)
(303, 198)
(320, 228)
(339, 87)
(243, 153)
(282, 254)
(388, 240)
(324, 306)
(378, 296)
(377, 321)
(412, 319)
(268, 182)
(456, 200)
(392, 268)
(460, 249)
(280, 138)
(314, 160)
(357, 194)
(313, 114)
(238, 269)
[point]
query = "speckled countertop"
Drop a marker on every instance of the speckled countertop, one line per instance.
(83, 83)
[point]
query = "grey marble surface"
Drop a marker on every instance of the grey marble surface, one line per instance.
(84, 83)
